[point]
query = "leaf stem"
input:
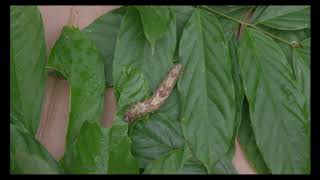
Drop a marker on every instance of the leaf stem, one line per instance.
(212, 10)
(73, 17)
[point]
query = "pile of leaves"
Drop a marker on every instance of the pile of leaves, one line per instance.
(246, 76)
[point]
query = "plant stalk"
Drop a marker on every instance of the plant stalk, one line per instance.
(211, 10)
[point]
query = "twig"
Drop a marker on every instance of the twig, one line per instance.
(211, 10)
(73, 18)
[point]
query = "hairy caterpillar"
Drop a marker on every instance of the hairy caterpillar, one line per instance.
(157, 99)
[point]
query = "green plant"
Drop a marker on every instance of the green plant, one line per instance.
(246, 75)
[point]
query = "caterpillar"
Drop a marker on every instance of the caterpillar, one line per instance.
(157, 99)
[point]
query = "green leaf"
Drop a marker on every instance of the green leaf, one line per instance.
(182, 15)
(155, 21)
(133, 87)
(285, 17)
(75, 56)
(291, 36)
(276, 104)
(134, 74)
(170, 163)
(206, 89)
(192, 166)
(28, 156)
(236, 12)
(301, 65)
(257, 13)
(103, 32)
(90, 151)
(237, 82)
(224, 165)
(27, 67)
(156, 137)
(133, 51)
(121, 160)
(248, 143)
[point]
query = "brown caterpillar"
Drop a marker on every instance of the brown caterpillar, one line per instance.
(157, 99)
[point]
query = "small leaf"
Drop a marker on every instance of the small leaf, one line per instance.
(27, 67)
(285, 17)
(206, 89)
(28, 156)
(276, 104)
(155, 21)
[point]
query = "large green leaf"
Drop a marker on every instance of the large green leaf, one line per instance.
(89, 152)
(224, 165)
(27, 67)
(156, 137)
(155, 21)
(248, 143)
(206, 89)
(301, 65)
(170, 163)
(103, 32)
(28, 156)
(285, 17)
(279, 120)
(75, 56)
